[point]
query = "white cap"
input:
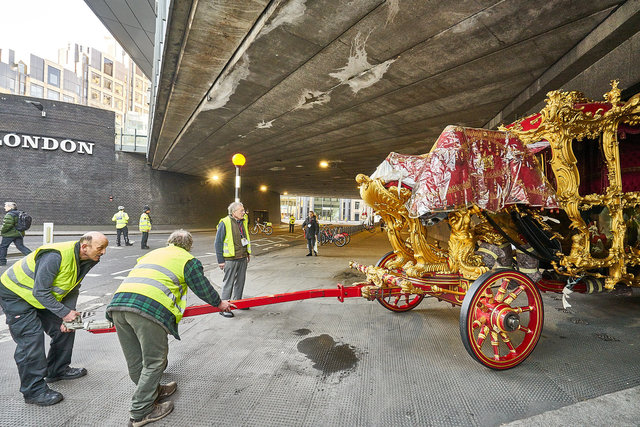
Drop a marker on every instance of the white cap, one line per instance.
(120, 208)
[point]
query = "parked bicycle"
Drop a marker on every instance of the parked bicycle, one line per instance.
(266, 228)
(329, 235)
(369, 227)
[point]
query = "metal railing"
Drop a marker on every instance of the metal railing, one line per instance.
(131, 142)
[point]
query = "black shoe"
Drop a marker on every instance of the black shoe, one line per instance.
(315, 253)
(47, 398)
(309, 254)
(69, 374)
(118, 244)
(226, 314)
(129, 244)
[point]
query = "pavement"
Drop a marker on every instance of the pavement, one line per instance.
(320, 362)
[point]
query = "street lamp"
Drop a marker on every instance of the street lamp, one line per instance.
(238, 160)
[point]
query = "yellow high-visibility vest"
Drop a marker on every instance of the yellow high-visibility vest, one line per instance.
(159, 275)
(19, 278)
(228, 249)
(145, 222)
(121, 218)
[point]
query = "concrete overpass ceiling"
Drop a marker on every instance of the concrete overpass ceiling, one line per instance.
(133, 24)
(290, 83)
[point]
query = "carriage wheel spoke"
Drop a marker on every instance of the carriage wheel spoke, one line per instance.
(502, 291)
(513, 295)
(482, 335)
(494, 344)
(507, 342)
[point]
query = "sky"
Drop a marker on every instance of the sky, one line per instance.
(42, 27)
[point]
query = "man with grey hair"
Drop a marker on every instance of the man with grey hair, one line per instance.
(10, 234)
(37, 294)
(233, 250)
(146, 307)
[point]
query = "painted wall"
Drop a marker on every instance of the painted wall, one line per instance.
(73, 188)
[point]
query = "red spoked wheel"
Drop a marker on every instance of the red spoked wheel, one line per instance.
(397, 301)
(501, 318)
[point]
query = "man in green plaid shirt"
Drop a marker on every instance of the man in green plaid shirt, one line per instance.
(147, 307)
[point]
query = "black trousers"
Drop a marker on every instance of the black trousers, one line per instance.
(291, 228)
(311, 243)
(125, 232)
(143, 242)
(27, 325)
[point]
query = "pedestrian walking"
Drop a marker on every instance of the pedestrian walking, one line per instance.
(121, 218)
(10, 234)
(292, 223)
(311, 229)
(38, 293)
(233, 250)
(145, 226)
(147, 307)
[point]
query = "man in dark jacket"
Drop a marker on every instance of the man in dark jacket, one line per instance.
(311, 229)
(38, 293)
(10, 234)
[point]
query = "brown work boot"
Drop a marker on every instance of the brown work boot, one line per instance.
(166, 390)
(160, 410)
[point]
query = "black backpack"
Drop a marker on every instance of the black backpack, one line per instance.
(24, 221)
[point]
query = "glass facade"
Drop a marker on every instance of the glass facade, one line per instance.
(36, 91)
(53, 76)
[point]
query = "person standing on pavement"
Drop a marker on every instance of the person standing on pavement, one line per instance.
(233, 250)
(38, 293)
(292, 223)
(145, 226)
(10, 234)
(311, 229)
(147, 307)
(121, 218)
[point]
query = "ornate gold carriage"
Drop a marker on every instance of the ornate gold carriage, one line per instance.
(488, 219)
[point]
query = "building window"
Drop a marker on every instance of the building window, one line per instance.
(117, 103)
(95, 95)
(106, 100)
(356, 205)
(108, 84)
(37, 91)
(67, 98)
(118, 89)
(53, 76)
(95, 79)
(108, 67)
(137, 98)
(138, 110)
(53, 94)
(138, 85)
(119, 119)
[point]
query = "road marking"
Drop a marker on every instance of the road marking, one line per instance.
(123, 271)
(3, 320)
(92, 275)
(120, 277)
(86, 298)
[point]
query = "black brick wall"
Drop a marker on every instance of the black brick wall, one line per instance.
(74, 189)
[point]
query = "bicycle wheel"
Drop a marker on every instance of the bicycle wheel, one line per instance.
(254, 229)
(340, 240)
(268, 230)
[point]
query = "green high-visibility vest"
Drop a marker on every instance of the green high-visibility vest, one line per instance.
(19, 278)
(228, 249)
(159, 275)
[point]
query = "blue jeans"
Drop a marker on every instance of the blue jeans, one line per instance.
(6, 241)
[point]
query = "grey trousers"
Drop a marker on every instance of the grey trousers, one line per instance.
(145, 347)
(234, 274)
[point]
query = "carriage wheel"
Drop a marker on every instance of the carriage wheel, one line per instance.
(396, 301)
(501, 318)
(268, 230)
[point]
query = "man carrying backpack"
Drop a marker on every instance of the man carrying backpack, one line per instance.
(11, 233)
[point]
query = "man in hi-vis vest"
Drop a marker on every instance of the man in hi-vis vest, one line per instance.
(233, 250)
(121, 218)
(37, 294)
(146, 307)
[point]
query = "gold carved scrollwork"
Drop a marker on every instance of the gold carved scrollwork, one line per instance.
(462, 245)
(562, 121)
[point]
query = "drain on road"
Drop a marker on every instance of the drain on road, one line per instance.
(328, 356)
(302, 332)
